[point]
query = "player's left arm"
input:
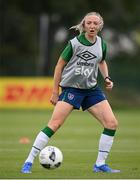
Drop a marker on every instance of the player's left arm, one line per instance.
(104, 71)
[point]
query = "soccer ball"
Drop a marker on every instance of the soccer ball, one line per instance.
(50, 157)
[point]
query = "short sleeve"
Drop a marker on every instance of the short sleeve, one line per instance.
(104, 49)
(67, 52)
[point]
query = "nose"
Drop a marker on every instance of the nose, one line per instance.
(92, 25)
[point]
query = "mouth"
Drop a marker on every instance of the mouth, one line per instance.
(92, 31)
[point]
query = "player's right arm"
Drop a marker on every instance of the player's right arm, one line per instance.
(63, 60)
(57, 78)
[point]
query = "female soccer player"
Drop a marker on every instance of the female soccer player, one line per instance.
(76, 72)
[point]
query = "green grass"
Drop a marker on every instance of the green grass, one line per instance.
(78, 140)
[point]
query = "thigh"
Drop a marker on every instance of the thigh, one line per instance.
(60, 113)
(102, 111)
(92, 98)
(72, 96)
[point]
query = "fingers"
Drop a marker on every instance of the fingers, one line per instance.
(53, 102)
(109, 85)
(54, 99)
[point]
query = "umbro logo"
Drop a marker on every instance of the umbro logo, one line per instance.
(86, 56)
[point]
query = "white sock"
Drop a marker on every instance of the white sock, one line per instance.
(39, 143)
(105, 145)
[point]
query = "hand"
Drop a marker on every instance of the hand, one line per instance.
(108, 84)
(54, 98)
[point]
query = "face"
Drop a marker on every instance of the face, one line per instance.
(92, 25)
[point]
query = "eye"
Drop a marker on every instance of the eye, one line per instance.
(88, 22)
(96, 23)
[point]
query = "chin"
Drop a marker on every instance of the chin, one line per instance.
(92, 34)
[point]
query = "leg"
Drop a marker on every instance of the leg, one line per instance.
(103, 113)
(60, 113)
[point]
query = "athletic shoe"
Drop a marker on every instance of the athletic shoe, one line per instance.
(104, 168)
(26, 167)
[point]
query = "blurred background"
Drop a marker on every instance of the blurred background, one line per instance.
(33, 34)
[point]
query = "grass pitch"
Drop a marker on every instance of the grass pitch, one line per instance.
(77, 139)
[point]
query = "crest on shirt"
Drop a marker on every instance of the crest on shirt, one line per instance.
(70, 96)
(86, 56)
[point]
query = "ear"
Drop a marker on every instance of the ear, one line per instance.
(83, 24)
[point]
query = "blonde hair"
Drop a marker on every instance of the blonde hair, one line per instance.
(80, 26)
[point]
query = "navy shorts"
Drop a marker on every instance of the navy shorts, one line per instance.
(84, 98)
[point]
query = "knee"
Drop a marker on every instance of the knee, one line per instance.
(112, 124)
